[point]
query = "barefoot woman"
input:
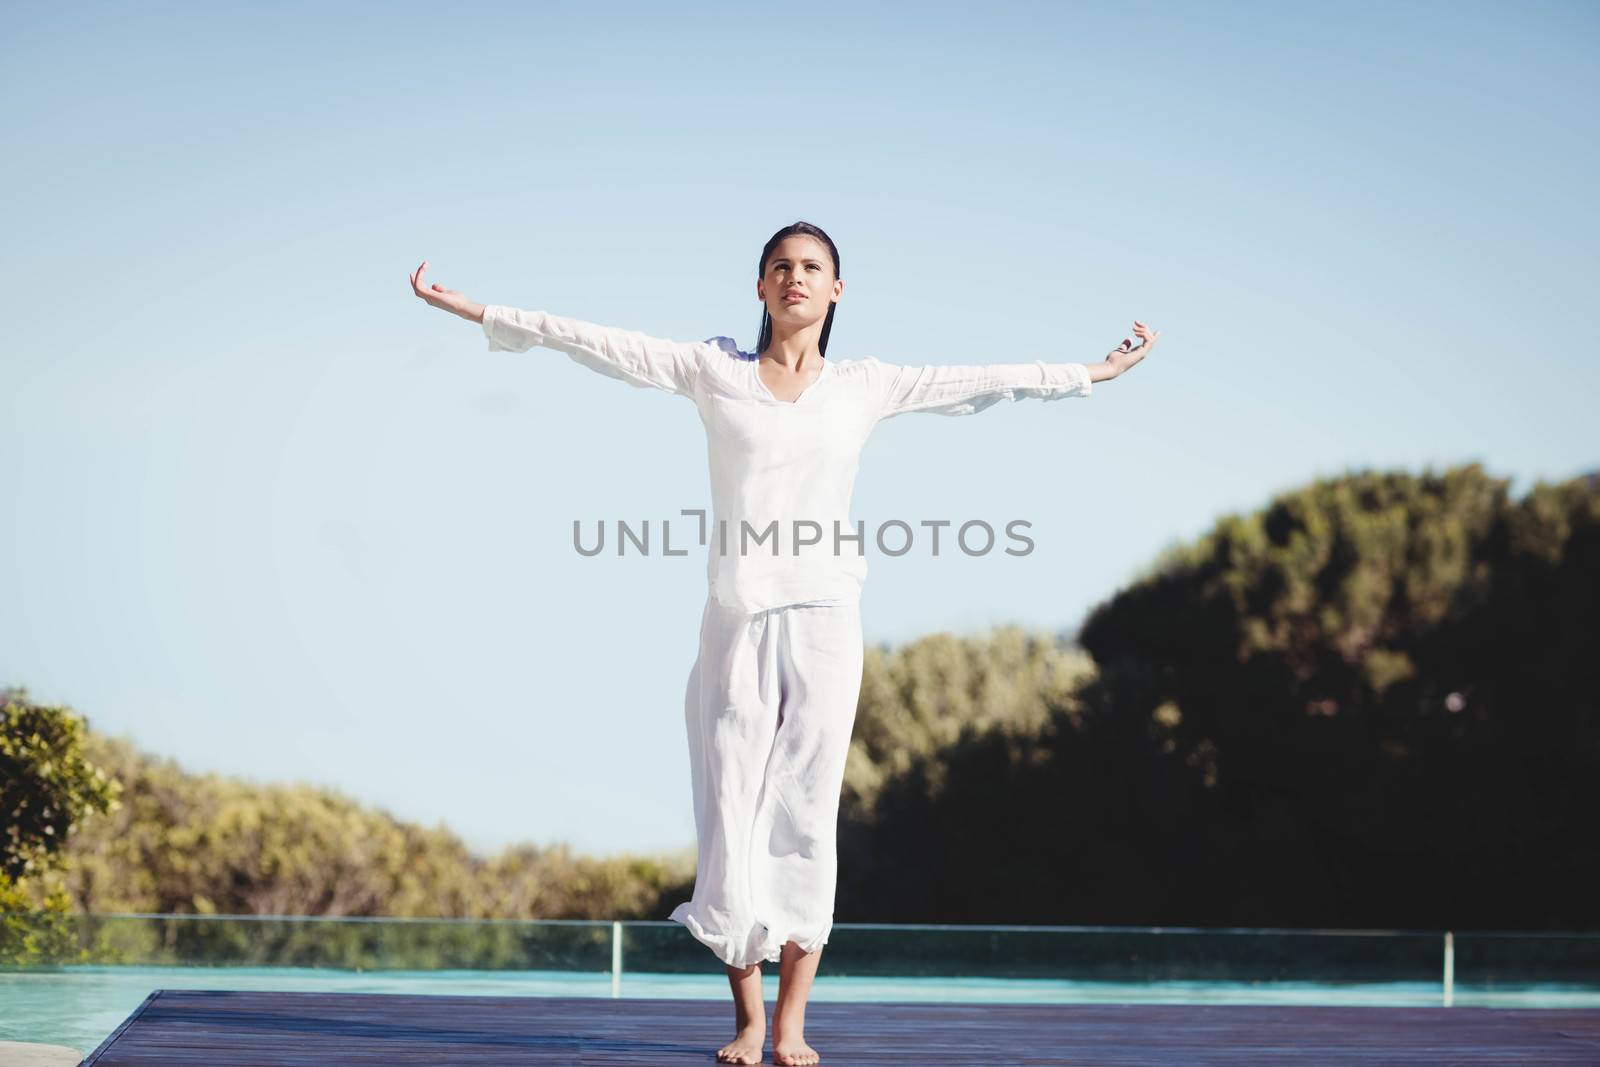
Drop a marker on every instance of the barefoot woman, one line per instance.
(772, 694)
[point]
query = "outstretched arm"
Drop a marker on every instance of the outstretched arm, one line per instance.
(628, 355)
(967, 389)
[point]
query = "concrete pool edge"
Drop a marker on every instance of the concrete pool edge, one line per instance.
(31, 1054)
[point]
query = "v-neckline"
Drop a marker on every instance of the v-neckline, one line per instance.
(755, 368)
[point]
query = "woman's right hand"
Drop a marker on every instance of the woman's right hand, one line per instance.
(1122, 357)
(452, 300)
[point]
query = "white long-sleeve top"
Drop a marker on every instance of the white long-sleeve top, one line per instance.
(782, 472)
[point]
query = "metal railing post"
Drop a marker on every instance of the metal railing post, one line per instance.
(1449, 968)
(616, 958)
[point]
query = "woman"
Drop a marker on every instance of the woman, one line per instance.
(772, 694)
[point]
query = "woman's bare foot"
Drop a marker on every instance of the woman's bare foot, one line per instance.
(746, 1048)
(749, 1016)
(797, 968)
(793, 1051)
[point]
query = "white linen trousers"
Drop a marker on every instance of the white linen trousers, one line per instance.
(770, 705)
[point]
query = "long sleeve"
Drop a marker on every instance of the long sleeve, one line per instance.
(628, 355)
(966, 389)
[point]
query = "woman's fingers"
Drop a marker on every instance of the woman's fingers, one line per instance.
(1147, 337)
(434, 293)
(426, 290)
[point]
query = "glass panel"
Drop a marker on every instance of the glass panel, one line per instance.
(1512, 961)
(354, 944)
(1109, 954)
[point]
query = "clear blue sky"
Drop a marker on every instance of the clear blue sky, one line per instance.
(271, 515)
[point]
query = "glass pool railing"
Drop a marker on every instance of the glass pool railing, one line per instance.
(1093, 954)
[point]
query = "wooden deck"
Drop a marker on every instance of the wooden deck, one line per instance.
(177, 1026)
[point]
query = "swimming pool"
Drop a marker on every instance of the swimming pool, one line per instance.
(78, 1004)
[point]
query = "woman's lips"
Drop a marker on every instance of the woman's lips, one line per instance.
(794, 296)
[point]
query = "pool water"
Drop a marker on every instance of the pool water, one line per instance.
(79, 1006)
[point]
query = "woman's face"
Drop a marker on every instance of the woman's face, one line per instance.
(799, 265)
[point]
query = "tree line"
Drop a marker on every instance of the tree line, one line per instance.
(1372, 702)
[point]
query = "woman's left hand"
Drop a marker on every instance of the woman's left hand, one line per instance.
(1123, 356)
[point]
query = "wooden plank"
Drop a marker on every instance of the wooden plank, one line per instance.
(279, 1029)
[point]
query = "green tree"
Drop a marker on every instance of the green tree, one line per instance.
(183, 843)
(1374, 702)
(47, 788)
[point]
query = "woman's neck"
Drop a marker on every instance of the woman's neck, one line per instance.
(797, 353)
